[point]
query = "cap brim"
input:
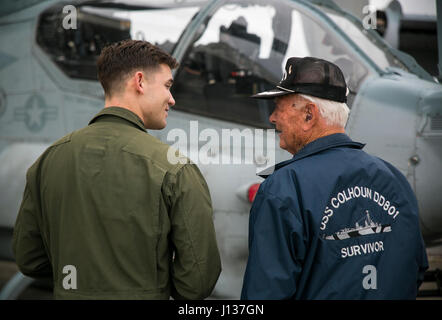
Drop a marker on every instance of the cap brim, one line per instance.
(270, 94)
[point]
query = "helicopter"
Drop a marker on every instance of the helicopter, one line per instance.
(228, 50)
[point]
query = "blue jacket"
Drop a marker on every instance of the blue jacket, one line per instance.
(334, 223)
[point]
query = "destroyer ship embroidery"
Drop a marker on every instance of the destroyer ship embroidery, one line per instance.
(363, 227)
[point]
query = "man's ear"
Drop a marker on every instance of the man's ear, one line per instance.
(311, 115)
(138, 82)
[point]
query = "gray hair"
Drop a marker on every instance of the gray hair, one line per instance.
(335, 113)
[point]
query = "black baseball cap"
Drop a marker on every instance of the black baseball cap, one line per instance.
(312, 76)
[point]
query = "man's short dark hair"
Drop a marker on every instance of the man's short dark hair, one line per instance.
(117, 60)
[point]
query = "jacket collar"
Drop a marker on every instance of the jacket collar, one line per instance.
(316, 146)
(121, 113)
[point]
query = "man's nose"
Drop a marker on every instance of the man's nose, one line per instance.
(171, 101)
(272, 118)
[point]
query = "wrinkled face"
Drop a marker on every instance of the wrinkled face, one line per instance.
(288, 118)
(158, 99)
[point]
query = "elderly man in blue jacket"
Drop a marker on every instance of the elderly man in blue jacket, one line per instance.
(333, 222)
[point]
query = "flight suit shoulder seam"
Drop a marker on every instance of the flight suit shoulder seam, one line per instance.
(170, 168)
(65, 139)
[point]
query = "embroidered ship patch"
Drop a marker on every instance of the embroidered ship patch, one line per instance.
(363, 227)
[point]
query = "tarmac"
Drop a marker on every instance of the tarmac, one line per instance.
(432, 289)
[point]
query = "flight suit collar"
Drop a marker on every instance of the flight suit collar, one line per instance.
(122, 113)
(318, 145)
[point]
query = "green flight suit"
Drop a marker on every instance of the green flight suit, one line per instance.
(107, 216)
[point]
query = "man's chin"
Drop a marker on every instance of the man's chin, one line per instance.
(161, 127)
(282, 145)
(158, 126)
(286, 148)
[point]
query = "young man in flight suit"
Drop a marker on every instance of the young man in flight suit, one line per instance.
(332, 222)
(104, 213)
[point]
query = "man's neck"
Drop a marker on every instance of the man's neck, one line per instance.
(325, 132)
(124, 103)
(319, 133)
